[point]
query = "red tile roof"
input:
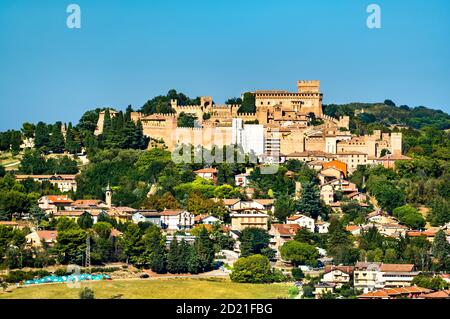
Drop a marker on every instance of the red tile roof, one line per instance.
(6, 223)
(392, 292)
(172, 212)
(286, 229)
(47, 235)
(442, 294)
(206, 170)
(87, 202)
(265, 202)
(345, 269)
(397, 267)
(60, 199)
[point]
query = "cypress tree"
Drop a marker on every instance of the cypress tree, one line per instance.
(172, 257)
(57, 143)
(205, 250)
(42, 137)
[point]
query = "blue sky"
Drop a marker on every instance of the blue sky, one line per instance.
(129, 51)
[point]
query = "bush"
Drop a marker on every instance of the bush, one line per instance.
(308, 292)
(409, 216)
(104, 269)
(293, 291)
(297, 274)
(61, 272)
(278, 276)
(252, 269)
(18, 276)
(87, 293)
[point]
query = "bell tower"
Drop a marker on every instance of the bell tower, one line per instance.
(108, 196)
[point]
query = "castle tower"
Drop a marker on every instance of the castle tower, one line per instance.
(396, 143)
(308, 86)
(108, 196)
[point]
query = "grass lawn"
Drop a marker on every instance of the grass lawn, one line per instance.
(177, 288)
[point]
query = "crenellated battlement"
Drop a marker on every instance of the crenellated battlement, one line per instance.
(246, 114)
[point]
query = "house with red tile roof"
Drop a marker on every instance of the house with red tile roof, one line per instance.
(54, 203)
(176, 219)
(207, 173)
(282, 233)
(374, 275)
(39, 238)
(303, 221)
(441, 294)
(338, 275)
(395, 293)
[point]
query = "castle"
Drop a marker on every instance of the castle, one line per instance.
(282, 123)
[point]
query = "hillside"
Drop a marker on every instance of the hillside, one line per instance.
(364, 115)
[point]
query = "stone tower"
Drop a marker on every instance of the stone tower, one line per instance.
(108, 196)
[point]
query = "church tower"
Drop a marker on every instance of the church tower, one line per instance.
(108, 196)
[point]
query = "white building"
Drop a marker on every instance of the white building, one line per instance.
(177, 219)
(242, 180)
(302, 221)
(249, 136)
(375, 275)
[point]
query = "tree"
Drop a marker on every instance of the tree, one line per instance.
(339, 244)
(409, 216)
(85, 221)
(310, 203)
(389, 103)
(284, 206)
(33, 163)
(42, 137)
(172, 257)
(72, 145)
(28, 130)
(139, 140)
(57, 143)
(70, 245)
(299, 253)
(205, 250)
(441, 250)
(440, 212)
(133, 243)
(155, 249)
(87, 293)
(248, 104)
(252, 269)
(102, 229)
(14, 202)
(193, 263)
(186, 120)
(253, 241)
(388, 195)
(304, 235)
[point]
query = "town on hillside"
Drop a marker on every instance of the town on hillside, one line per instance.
(320, 201)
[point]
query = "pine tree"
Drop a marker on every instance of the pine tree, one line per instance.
(205, 250)
(72, 146)
(106, 123)
(193, 264)
(139, 140)
(440, 249)
(57, 142)
(183, 257)
(41, 138)
(172, 257)
(310, 203)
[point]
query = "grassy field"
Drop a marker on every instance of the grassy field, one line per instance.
(155, 289)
